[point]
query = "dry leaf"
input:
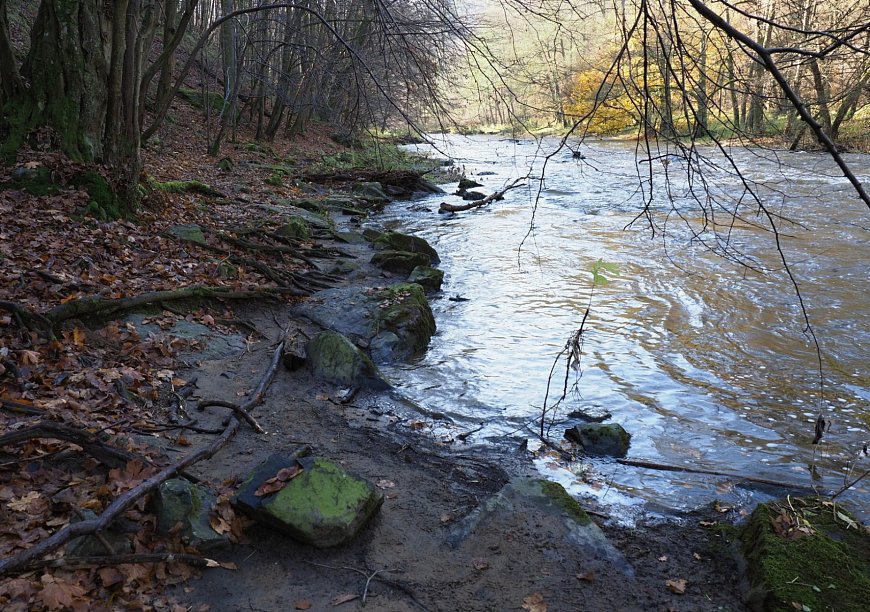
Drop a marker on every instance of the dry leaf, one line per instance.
(343, 599)
(663, 558)
(279, 481)
(587, 576)
(677, 586)
(302, 605)
(110, 576)
(385, 484)
(534, 603)
(481, 564)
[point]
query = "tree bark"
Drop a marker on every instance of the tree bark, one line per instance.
(10, 80)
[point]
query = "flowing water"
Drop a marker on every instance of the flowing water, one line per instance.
(703, 360)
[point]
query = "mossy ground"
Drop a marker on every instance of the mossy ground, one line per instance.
(802, 556)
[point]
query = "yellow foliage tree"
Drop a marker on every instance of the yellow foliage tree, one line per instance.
(601, 103)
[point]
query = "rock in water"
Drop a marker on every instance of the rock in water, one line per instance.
(427, 277)
(601, 439)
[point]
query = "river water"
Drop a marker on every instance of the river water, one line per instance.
(703, 359)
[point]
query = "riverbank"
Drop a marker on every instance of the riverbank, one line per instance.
(444, 538)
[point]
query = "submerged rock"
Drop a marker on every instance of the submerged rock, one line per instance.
(180, 502)
(323, 505)
(466, 183)
(334, 358)
(601, 438)
(808, 552)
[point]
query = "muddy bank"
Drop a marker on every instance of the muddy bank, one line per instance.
(461, 527)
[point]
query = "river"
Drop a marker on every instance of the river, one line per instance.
(705, 361)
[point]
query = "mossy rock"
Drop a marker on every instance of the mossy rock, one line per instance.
(35, 181)
(466, 183)
(427, 277)
(334, 358)
(324, 505)
(404, 311)
(294, 227)
(601, 438)
(180, 502)
(196, 99)
(373, 193)
(189, 233)
(396, 241)
(402, 262)
(806, 554)
(371, 234)
(104, 203)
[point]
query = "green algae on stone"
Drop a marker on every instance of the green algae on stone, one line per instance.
(405, 311)
(559, 496)
(427, 277)
(396, 241)
(334, 358)
(324, 505)
(800, 555)
(402, 262)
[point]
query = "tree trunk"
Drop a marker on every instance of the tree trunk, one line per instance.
(10, 81)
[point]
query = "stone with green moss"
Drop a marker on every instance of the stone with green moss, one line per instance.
(35, 181)
(397, 241)
(427, 277)
(334, 358)
(189, 232)
(372, 192)
(806, 554)
(179, 502)
(324, 505)
(294, 227)
(601, 438)
(401, 262)
(104, 202)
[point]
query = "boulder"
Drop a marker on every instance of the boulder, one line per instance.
(601, 438)
(371, 234)
(294, 227)
(118, 538)
(427, 277)
(471, 196)
(396, 241)
(402, 262)
(180, 502)
(466, 183)
(373, 193)
(334, 358)
(190, 233)
(362, 313)
(806, 554)
(322, 505)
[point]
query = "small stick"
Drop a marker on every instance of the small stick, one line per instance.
(239, 410)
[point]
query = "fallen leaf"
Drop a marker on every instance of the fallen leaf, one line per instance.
(587, 576)
(279, 481)
(110, 576)
(663, 558)
(385, 484)
(302, 605)
(697, 556)
(343, 599)
(677, 586)
(481, 564)
(534, 603)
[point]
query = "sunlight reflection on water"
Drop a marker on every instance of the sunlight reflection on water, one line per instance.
(704, 361)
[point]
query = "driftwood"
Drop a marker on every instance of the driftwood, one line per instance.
(498, 195)
(15, 562)
(679, 468)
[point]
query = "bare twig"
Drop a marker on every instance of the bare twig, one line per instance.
(498, 195)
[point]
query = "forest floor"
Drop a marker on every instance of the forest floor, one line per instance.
(120, 390)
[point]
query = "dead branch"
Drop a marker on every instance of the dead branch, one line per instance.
(109, 455)
(498, 195)
(20, 408)
(679, 468)
(24, 316)
(203, 404)
(13, 563)
(111, 560)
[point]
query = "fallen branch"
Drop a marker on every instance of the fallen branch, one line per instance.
(20, 408)
(111, 560)
(203, 404)
(677, 468)
(498, 195)
(109, 455)
(59, 538)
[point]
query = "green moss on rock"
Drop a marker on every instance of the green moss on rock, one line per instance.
(801, 556)
(405, 311)
(563, 500)
(104, 202)
(396, 241)
(402, 262)
(334, 358)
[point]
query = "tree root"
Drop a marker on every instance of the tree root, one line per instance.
(109, 455)
(498, 195)
(14, 563)
(111, 560)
